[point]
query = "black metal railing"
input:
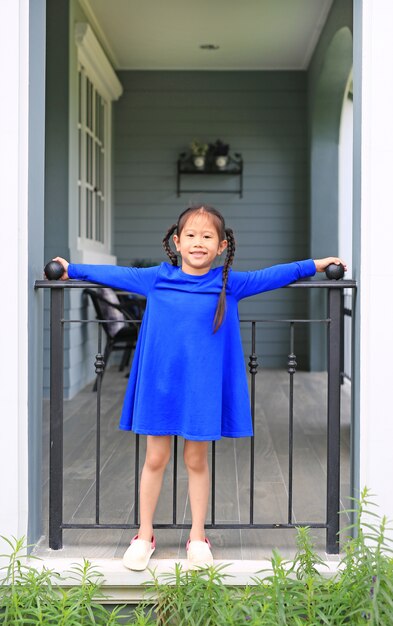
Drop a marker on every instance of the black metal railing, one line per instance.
(334, 323)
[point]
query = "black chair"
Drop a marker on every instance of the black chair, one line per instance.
(120, 333)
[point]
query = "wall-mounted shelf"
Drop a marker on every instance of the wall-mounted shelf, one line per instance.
(186, 167)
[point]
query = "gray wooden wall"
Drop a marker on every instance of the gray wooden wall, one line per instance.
(80, 345)
(263, 115)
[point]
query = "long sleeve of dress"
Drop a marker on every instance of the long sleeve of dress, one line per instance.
(135, 279)
(245, 284)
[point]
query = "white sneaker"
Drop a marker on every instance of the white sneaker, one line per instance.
(137, 555)
(199, 553)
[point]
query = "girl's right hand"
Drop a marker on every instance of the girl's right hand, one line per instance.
(65, 264)
(322, 264)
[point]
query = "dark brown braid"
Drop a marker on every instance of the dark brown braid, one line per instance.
(165, 242)
(223, 233)
(221, 306)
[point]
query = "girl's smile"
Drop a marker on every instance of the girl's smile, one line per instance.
(199, 244)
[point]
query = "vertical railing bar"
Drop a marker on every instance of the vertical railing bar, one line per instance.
(136, 478)
(291, 370)
(56, 419)
(213, 496)
(99, 367)
(333, 426)
(174, 495)
(342, 346)
(253, 367)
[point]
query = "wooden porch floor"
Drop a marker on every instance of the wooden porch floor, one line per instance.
(232, 468)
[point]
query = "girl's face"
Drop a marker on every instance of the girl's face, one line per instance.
(199, 244)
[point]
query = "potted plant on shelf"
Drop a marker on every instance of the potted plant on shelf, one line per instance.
(199, 151)
(220, 153)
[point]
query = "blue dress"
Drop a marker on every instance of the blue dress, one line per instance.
(185, 379)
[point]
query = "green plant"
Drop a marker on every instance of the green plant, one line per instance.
(292, 593)
(368, 563)
(32, 596)
(198, 148)
(219, 148)
(191, 597)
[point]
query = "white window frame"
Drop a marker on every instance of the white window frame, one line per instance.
(97, 68)
(89, 183)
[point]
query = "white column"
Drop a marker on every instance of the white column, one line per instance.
(376, 255)
(14, 42)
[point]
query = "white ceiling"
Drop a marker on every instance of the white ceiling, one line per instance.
(166, 34)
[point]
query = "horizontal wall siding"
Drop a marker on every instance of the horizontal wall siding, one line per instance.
(263, 116)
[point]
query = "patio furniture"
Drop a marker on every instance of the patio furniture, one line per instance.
(120, 333)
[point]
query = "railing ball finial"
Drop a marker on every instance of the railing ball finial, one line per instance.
(253, 364)
(335, 272)
(53, 270)
(292, 363)
(99, 363)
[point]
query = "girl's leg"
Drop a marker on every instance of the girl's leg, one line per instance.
(158, 451)
(195, 460)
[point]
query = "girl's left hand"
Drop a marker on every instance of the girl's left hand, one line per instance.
(321, 264)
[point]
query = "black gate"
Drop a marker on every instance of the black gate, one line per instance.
(334, 323)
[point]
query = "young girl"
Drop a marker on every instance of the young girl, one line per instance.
(188, 375)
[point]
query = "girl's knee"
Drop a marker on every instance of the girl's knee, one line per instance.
(195, 458)
(157, 458)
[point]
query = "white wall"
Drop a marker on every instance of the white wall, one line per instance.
(375, 327)
(345, 183)
(14, 42)
(345, 200)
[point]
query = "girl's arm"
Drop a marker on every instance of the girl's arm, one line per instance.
(245, 284)
(137, 280)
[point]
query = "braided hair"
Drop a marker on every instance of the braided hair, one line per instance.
(165, 242)
(223, 233)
